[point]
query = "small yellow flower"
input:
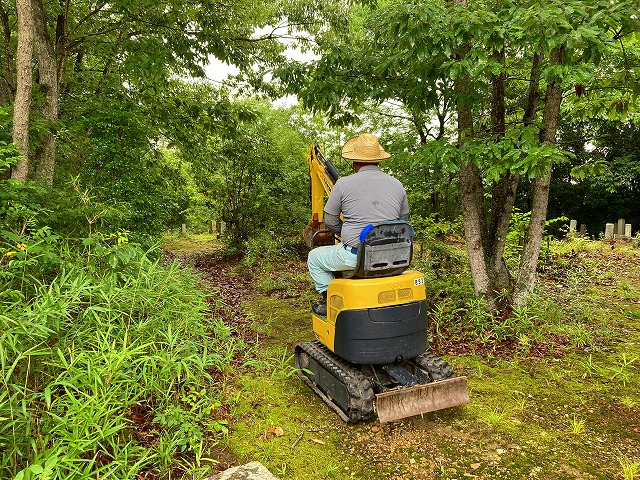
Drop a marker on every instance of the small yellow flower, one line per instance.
(21, 246)
(10, 254)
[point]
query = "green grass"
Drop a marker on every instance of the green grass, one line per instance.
(191, 243)
(117, 370)
(106, 367)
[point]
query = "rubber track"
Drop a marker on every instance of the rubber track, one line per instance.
(360, 394)
(437, 367)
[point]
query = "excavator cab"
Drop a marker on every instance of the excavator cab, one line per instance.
(370, 354)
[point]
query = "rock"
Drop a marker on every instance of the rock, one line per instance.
(250, 471)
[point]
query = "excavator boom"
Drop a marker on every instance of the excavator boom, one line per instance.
(324, 175)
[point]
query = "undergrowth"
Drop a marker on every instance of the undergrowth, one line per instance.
(95, 357)
(570, 268)
(110, 366)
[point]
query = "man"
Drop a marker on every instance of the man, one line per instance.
(369, 196)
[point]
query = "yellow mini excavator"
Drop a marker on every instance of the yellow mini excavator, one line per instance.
(370, 355)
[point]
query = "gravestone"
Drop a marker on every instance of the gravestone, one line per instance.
(608, 231)
(213, 228)
(620, 229)
(627, 230)
(573, 226)
(583, 229)
(223, 227)
(184, 229)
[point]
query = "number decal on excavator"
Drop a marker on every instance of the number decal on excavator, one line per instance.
(418, 281)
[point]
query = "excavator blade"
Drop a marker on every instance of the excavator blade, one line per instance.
(428, 397)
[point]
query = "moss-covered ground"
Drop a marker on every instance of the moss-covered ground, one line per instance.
(572, 412)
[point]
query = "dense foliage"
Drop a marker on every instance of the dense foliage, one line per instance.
(603, 184)
(107, 355)
(485, 85)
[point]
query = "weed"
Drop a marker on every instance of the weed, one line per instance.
(576, 426)
(270, 284)
(265, 248)
(331, 470)
(494, 417)
(629, 402)
(268, 449)
(279, 367)
(590, 369)
(522, 405)
(524, 342)
(80, 352)
(439, 320)
(630, 468)
(581, 336)
(553, 313)
(282, 470)
(478, 316)
(621, 371)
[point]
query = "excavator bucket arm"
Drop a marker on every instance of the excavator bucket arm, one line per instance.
(323, 175)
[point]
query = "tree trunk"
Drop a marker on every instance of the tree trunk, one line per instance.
(8, 92)
(22, 103)
(502, 201)
(503, 193)
(474, 228)
(45, 159)
(533, 94)
(471, 194)
(62, 37)
(527, 274)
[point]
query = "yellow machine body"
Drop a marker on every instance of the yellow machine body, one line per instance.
(359, 294)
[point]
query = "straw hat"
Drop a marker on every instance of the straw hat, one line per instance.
(365, 149)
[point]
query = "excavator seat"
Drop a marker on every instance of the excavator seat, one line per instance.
(385, 250)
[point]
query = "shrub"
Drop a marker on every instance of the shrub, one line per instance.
(105, 358)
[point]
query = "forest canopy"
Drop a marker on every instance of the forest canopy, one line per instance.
(491, 108)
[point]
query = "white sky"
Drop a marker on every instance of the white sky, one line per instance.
(219, 72)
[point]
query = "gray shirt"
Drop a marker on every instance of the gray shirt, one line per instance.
(369, 196)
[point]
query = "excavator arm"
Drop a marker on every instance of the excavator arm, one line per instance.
(323, 175)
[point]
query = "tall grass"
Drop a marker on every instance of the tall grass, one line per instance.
(106, 362)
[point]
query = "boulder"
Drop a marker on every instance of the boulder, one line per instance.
(249, 471)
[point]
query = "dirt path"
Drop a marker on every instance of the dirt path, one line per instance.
(574, 413)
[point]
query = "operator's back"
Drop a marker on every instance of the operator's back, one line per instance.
(367, 197)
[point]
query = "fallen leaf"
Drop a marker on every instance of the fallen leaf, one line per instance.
(315, 440)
